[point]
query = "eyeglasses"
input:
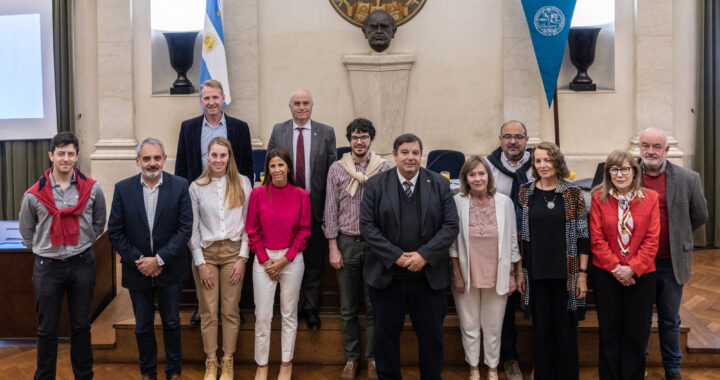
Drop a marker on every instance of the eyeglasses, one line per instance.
(625, 170)
(360, 138)
(515, 137)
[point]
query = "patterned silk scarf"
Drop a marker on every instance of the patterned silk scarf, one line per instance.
(625, 222)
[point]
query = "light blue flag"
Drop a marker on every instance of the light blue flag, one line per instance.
(214, 64)
(549, 24)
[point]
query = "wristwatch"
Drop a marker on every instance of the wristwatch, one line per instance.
(582, 270)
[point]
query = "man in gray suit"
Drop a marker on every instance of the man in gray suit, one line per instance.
(683, 209)
(312, 146)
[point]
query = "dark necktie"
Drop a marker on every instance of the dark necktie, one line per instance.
(408, 188)
(300, 160)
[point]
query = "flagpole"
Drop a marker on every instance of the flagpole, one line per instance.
(557, 121)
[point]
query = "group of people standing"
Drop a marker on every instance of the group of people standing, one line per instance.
(517, 232)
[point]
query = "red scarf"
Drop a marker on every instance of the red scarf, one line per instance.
(65, 225)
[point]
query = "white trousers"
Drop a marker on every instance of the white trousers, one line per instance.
(264, 292)
(481, 313)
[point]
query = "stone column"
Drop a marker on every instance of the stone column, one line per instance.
(114, 154)
(379, 84)
(654, 72)
(522, 86)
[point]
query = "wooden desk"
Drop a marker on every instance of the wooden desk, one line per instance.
(17, 303)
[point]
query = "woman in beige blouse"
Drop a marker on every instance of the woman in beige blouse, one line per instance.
(219, 247)
(485, 260)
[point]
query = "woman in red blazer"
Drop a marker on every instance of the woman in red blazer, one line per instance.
(624, 233)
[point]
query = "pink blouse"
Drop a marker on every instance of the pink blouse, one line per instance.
(278, 220)
(483, 242)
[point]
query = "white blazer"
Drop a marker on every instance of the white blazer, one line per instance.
(507, 240)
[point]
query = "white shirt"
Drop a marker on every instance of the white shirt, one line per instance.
(503, 183)
(150, 197)
(412, 180)
(306, 131)
(213, 220)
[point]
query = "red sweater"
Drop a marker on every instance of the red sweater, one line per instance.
(644, 240)
(278, 221)
(658, 184)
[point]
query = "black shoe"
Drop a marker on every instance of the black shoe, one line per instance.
(195, 319)
(675, 375)
(312, 320)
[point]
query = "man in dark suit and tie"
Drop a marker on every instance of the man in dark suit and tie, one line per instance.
(196, 134)
(409, 220)
(312, 146)
(150, 225)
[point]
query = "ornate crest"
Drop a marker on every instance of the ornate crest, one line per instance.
(549, 21)
(355, 11)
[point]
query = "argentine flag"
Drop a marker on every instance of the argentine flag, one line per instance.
(214, 64)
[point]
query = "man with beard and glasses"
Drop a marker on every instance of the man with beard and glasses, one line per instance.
(61, 216)
(379, 29)
(683, 209)
(150, 225)
(510, 167)
(345, 185)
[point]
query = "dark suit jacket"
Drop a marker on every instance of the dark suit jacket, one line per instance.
(130, 234)
(188, 162)
(380, 226)
(322, 154)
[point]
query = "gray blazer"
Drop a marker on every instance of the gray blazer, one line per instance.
(322, 154)
(687, 211)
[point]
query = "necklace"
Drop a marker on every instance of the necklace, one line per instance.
(550, 204)
(484, 215)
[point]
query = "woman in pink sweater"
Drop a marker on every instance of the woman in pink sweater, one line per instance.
(278, 225)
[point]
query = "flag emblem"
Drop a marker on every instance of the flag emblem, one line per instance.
(210, 41)
(549, 20)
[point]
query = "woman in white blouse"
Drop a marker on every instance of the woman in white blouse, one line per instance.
(482, 260)
(219, 247)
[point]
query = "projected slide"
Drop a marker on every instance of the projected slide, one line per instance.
(27, 71)
(21, 67)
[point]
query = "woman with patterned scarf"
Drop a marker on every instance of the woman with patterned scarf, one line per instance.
(555, 246)
(624, 234)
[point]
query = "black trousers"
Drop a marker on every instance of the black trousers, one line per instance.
(508, 336)
(313, 254)
(555, 332)
(428, 308)
(52, 280)
(622, 317)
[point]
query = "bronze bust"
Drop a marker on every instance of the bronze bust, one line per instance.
(379, 29)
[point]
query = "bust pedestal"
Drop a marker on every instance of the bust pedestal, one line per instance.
(379, 85)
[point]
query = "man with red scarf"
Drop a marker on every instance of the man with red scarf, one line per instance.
(61, 216)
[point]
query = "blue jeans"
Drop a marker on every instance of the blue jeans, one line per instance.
(52, 279)
(169, 306)
(668, 294)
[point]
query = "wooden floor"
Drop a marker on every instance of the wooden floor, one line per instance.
(700, 311)
(17, 361)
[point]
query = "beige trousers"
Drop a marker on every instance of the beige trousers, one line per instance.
(219, 258)
(481, 313)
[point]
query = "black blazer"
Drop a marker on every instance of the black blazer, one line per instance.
(380, 226)
(130, 233)
(322, 154)
(188, 162)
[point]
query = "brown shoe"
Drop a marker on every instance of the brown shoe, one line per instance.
(372, 371)
(350, 371)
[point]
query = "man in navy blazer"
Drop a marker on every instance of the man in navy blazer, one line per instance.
(409, 220)
(150, 225)
(196, 133)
